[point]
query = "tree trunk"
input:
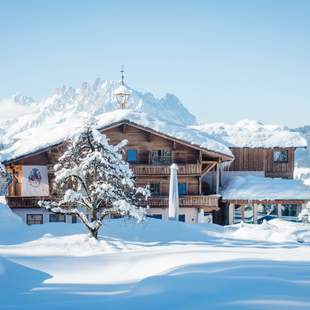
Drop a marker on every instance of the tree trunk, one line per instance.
(94, 233)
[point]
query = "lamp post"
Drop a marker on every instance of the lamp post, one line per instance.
(122, 93)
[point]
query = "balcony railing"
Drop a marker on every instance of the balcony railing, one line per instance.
(161, 160)
(24, 202)
(156, 201)
(184, 201)
(184, 169)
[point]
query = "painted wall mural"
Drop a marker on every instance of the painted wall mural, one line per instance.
(35, 181)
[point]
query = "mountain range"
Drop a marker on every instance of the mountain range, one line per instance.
(92, 98)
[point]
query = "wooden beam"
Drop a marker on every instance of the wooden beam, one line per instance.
(217, 178)
(124, 127)
(148, 137)
(277, 201)
(207, 169)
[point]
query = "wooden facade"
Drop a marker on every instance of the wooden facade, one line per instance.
(155, 152)
(262, 159)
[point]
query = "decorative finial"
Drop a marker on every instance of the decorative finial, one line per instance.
(122, 94)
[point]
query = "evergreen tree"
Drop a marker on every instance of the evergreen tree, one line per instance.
(95, 181)
(304, 215)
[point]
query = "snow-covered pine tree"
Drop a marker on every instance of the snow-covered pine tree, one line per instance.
(304, 215)
(95, 181)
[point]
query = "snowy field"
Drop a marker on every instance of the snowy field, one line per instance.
(154, 265)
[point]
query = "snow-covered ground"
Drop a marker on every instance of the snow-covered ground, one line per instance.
(155, 265)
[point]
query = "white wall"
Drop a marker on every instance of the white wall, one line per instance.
(23, 214)
(191, 214)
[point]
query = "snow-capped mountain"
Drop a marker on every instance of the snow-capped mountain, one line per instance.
(303, 155)
(97, 97)
(23, 114)
(91, 98)
(28, 121)
(251, 133)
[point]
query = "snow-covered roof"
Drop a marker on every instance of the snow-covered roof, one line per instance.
(251, 133)
(55, 131)
(260, 188)
(122, 90)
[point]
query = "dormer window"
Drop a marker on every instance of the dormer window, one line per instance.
(280, 156)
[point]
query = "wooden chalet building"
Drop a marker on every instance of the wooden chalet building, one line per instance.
(150, 154)
(247, 176)
(259, 183)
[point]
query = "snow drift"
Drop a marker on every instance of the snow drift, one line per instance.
(156, 264)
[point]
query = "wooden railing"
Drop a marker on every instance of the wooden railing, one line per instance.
(184, 201)
(24, 202)
(183, 169)
(155, 201)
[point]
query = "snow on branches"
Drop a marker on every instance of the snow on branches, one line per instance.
(304, 215)
(5, 180)
(96, 181)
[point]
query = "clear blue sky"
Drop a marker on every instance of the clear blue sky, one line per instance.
(226, 60)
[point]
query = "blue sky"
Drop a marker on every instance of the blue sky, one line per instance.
(226, 60)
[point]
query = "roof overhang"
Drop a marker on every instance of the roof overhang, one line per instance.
(223, 157)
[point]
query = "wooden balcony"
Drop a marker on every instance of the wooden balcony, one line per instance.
(24, 202)
(155, 201)
(184, 201)
(159, 170)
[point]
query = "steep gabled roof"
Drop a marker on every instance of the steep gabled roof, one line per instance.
(223, 156)
(40, 139)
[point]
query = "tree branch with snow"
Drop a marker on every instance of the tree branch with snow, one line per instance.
(304, 215)
(5, 180)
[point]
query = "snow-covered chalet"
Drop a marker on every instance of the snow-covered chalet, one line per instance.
(226, 173)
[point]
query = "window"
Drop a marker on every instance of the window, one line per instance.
(280, 156)
(208, 217)
(155, 216)
(132, 155)
(55, 218)
(74, 218)
(155, 188)
(289, 210)
(266, 212)
(248, 213)
(182, 188)
(34, 219)
(181, 217)
(237, 214)
(161, 157)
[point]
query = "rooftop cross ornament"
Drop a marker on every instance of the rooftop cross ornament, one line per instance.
(122, 73)
(122, 93)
